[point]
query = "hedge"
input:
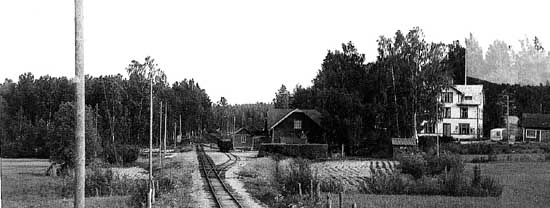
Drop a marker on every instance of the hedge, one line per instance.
(309, 151)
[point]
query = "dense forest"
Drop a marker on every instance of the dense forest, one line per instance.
(36, 114)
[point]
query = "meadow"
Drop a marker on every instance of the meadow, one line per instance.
(525, 185)
(24, 184)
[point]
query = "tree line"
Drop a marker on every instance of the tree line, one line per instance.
(37, 114)
(501, 63)
(365, 104)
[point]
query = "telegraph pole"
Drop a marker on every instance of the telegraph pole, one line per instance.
(80, 171)
(163, 152)
(150, 196)
(507, 118)
(160, 134)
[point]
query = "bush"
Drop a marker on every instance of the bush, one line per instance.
(299, 172)
(385, 184)
(415, 166)
(331, 186)
(122, 153)
(310, 151)
(490, 187)
(437, 165)
(139, 195)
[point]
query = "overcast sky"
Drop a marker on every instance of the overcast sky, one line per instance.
(243, 50)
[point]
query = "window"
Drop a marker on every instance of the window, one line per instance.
(297, 124)
(429, 127)
(463, 112)
(446, 112)
(243, 139)
(468, 98)
(531, 133)
(498, 133)
(448, 97)
(446, 129)
(464, 128)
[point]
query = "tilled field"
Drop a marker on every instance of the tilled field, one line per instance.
(351, 173)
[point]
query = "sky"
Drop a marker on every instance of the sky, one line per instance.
(243, 50)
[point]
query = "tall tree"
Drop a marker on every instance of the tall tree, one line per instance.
(282, 98)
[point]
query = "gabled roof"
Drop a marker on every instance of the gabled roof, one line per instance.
(276, 116)
(403, 141)
(467, 89)
(241, 131)
(535, 120)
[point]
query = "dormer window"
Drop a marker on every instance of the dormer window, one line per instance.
(448, 97)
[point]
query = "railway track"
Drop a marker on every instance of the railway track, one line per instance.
(221, 195)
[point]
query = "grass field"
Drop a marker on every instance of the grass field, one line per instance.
(25, 185)
(526, 184)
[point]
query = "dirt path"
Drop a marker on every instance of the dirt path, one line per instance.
(198, 193)
(232, 179)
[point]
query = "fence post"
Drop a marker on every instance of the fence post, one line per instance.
(328, 201)
(319, 190)
(354, 205)
(311, 188)
(477, 175)
(300, 189)
(153, 191)
(340, 200)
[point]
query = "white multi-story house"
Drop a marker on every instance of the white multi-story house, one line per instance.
(462, 113)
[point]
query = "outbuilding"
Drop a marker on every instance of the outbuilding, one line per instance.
(535, 127)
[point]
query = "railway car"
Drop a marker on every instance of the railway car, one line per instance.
(225, 144)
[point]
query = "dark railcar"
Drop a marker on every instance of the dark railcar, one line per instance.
(225, 144)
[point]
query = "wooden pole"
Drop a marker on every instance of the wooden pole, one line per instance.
(181, 132)
(165, 124)
(149, 201)
(80, 172)
(174, 136)
(160, 135)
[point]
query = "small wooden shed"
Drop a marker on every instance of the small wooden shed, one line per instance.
(404, 147)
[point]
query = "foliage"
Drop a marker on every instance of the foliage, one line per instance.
(121, 153)
(415, 166)
(298, 172)
(437, 165)
(61, 143)
(119, 105)
(310, 151)
(455, 183)
(282, 98)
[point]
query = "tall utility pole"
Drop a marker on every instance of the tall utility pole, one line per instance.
(507, 118)
(164, 141)
(160, 134)
(175, 136)
(150, 195)
(80, 171)
(437, 128)
(181, 132)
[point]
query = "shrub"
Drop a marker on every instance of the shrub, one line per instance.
(310, 151)
(139, 195)
(331, 186)
(298, 172)
(415, 166)
(454, 184)
(490, 187)
(426, 186)
(122, 153)
(385, 184)
(436, 165)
